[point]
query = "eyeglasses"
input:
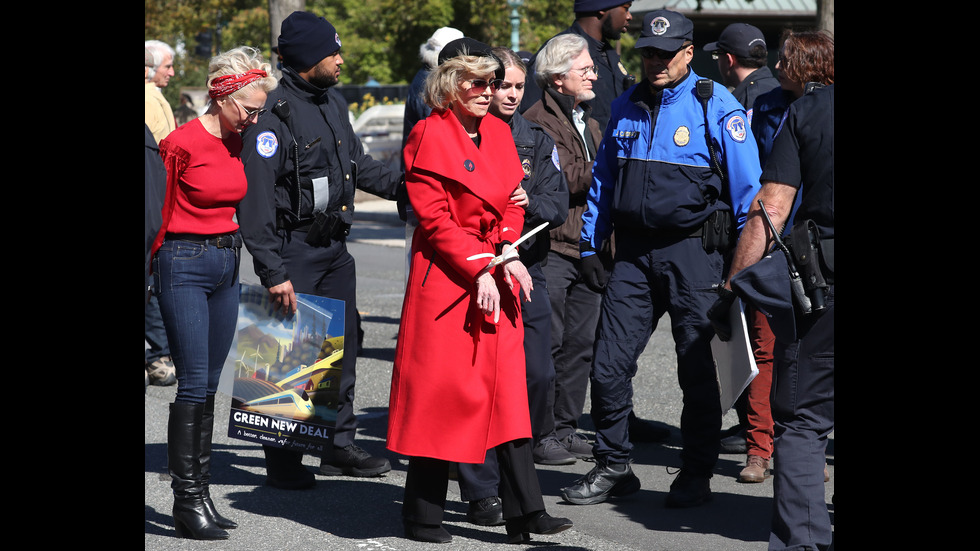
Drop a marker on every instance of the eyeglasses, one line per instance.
(479, 85)
(584, 71)
(249, 114)
(650, 53)
(715, 55)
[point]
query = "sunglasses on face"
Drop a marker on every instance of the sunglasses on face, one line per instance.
(480, 84)
(650, 53)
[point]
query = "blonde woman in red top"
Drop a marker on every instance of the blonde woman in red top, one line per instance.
(196, 257)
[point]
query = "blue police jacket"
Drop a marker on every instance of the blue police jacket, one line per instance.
(653, 170)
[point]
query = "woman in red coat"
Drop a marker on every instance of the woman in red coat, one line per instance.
(458, 386)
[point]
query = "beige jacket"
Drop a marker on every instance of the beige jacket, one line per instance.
(159, 115)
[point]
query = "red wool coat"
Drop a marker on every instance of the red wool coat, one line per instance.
(459, 385)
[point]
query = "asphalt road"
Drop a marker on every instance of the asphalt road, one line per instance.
(343, 513)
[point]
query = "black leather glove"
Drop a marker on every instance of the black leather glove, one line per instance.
(401, 200)
(718, 313)
(593, 272)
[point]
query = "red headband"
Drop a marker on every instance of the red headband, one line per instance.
(229, 84)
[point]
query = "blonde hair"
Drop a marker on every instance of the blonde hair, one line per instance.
(240, 60)
(443, 85)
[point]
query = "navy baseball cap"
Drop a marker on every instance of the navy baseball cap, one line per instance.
(665, 30)
(737, 39)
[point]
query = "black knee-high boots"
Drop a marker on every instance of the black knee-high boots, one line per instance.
(207, 430)
(191, 518)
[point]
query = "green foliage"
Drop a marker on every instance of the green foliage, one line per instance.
(381, 38)
(178, 22)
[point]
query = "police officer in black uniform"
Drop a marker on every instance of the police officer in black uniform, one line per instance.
(802, 161)
(303, 162)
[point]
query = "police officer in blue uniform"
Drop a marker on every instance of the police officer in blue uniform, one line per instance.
(674, 176)
(801, 162)
(303, 162)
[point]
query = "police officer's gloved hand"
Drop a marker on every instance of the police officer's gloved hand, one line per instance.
(591, 269)
(401, 200)
(718, 313)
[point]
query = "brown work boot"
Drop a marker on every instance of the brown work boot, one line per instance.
(756, 469)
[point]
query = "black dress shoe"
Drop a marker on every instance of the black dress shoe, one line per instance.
(519, 530)
(430, 533)
(602, 481)
(486, 512)
(688, 490)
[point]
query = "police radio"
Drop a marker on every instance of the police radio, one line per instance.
(706, 88)
(281, 110)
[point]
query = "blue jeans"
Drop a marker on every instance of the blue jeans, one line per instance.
(197, 285)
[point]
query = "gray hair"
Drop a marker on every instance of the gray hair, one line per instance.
(556, 57)
(159, 51)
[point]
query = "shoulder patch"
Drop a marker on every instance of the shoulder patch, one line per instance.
(736, 128)
(554, 157)
(266, 144)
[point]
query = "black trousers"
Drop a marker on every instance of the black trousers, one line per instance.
(327, 271)
(574, 315)
(481, 480)
(428, 481)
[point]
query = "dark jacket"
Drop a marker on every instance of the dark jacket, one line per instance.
(155, 182)
(544, 183)
(554, 113)
(757, 83)
(767, 113)
(327, 148)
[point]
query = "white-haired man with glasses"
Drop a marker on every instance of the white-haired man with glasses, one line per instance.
(566, 73)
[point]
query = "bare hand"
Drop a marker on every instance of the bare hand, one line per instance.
(487, 296)
(284, 297)
(520, 197)
(515, 269)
